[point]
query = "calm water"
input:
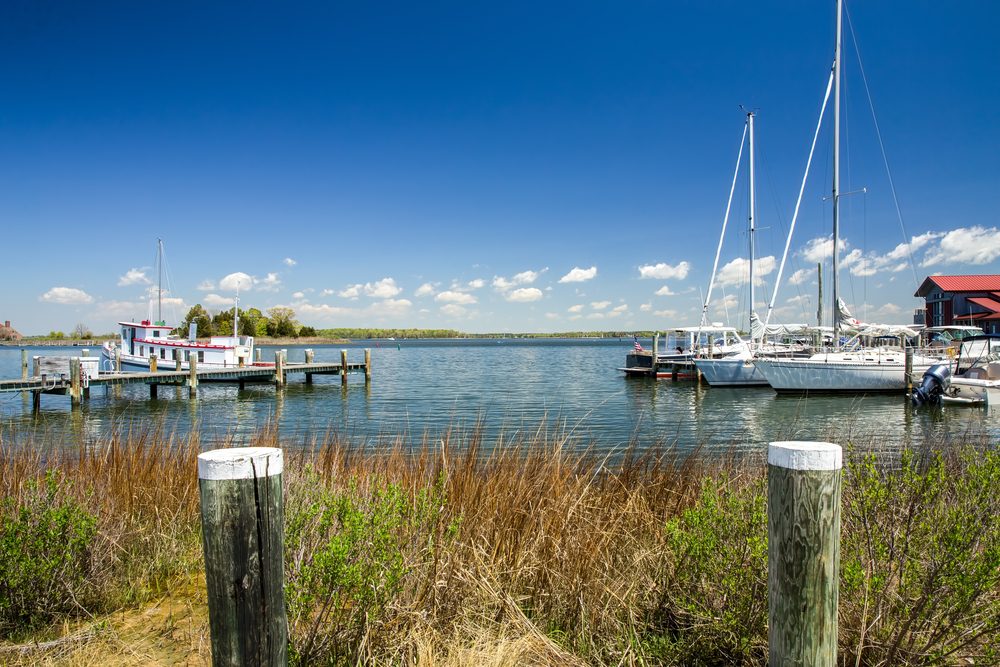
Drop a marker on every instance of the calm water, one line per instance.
(423, 387)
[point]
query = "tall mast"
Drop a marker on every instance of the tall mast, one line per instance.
(836, 178)
(752, 214)
(159, 280)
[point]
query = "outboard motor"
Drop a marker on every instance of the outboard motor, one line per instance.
(934, 383)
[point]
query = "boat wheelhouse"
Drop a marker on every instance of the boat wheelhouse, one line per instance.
(683, 345)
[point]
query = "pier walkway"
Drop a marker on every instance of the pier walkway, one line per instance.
(78, 384)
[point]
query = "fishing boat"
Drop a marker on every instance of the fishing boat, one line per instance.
(858, 367)
(682, 346)
(140, 342)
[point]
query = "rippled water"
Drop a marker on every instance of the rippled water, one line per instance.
(423, 387)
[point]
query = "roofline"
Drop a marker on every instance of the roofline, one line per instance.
(145, 326)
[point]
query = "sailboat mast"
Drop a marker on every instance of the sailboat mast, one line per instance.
(752, 213)
(159, 280)
(836, 177)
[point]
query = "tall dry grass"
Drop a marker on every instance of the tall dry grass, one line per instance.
(526, 550)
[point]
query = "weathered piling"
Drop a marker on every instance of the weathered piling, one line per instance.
(24, 364)
(309, 356)
(908, 369)
(368, 365)
(279, 368)
(803, 552)
(242, 522)
(193, 375)
(343, 367)
(74, 382)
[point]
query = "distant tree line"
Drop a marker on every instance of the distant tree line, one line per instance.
(279, 322)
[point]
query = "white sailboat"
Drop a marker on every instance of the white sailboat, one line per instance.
(737, 369)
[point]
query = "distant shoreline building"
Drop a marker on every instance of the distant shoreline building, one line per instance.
(7, 332)
(958, 300)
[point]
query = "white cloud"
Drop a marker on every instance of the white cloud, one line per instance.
(323, 311)
(664, 271)
(726, 304)
(478, 283)
(799, 277)
(525, 295)
(578, 275)
(298, 295)
(968, 245)
(217, 300)
(665, 291)
(121, 308)
(327, 292)
(271, 283)
(352, 292)
(453, 310)
(665, 313)
(576, 309)
(618, 310)
(426, 289)
(502, 284)
(289, 261)
(205, 286)
(737, 272)
(599, 305)
(450, 296)
(134, 277)
(382, 289)
(820, 248)
(67, 296)
(234, 281)
(646, 307)
(904, 250)
(388, 307)
(798, 299)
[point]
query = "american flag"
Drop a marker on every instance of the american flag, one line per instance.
(638, 348)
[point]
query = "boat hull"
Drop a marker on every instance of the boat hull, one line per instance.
(731, 373)
(816, 376)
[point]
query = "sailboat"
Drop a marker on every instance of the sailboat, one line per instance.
(857, 367)
(736, 369)
(148, 338)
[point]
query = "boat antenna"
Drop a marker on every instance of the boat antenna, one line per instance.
(752, 214)
(159, 280)
(836, 176)
(236, 311)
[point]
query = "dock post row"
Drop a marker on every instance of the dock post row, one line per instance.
(79, 382)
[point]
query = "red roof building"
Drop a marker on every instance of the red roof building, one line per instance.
(973, 300)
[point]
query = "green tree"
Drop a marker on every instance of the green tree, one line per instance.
(222, 323)
(199, 315)
(281, 321)
(82, 331)
(253, 323)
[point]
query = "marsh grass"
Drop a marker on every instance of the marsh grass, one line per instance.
(527, 549)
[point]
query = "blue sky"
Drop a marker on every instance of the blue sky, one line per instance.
(484, 167)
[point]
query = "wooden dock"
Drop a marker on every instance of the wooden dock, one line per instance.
(77, 385)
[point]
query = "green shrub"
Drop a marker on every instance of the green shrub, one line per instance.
(45, 547)
(713, 609)
(346, 554)
(920, 560)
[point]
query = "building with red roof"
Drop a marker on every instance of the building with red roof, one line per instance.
(972, 300)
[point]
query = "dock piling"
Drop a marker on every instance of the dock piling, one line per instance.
(368, 365)
(803, 552)
(24, 364)
(908, 369)
(309, 356)
(279, 368)
(193, 375)
(242, 517)
(74, 382)
(343, 367)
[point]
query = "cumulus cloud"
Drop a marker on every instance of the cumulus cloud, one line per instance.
(799, 277)
(618, 310)
(388, 307)
(453, 310)
(380, 289)
(663, 271)
(665, 291)
(217, 300)
(524, 295)
(323, 311)
(327, 292)
(236, 281)
(69, 296)
(737, 272)
(502, 284)
(270, 283)
(205, 286)
(967, 245)
(352, 292)
(450, 296)
(289, 261)
(599, 305)
(298, 295)
(477, 283)
(646, 307)
(134, 277)
(578, 308)
(578, 275)
(426, 289)
(821, 248)
(666, 313)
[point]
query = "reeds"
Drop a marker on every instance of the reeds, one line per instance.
(528, 549)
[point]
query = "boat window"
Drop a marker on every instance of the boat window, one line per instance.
(156, 333)
(187, 355)
(142, 350)
(201, 355)
(163, 353)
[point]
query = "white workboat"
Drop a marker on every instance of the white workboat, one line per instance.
(972, 379)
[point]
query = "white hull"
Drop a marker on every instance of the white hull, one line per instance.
(731, 373)
(843, 372)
